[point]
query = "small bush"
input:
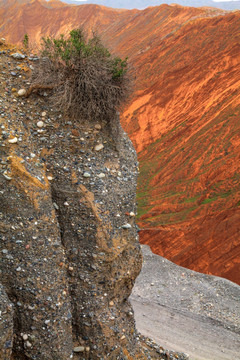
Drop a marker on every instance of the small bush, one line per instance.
(88, 81)
(26, 41)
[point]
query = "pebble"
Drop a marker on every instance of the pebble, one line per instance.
(127, 226)
(101, 175)
(28, 344)
(131, 214)
(7, 177)
(50, 178)
(18, 56)
(44, 114)
(40, 124)
(55, 206)
(25, 337)
(98, 127)
(98, 147)
(79, 349)
(86, 174)
(111, 303)
(22, 92)
(13, 141)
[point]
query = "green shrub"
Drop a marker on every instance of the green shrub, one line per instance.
(26, 41)
(88, 81)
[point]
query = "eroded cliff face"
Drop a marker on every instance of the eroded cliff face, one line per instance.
(69, 247)
(183, 119)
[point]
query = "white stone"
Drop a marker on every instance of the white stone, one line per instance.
(40, 124)
(7, 177)
(50, 178)
(79, 349)
(25, 337)
(44, 114)
(86, 174)
(99, 147)
(13, 141)
(18, 56)
(22, 92)
(127, 226)
(102, 175)
(132, 214)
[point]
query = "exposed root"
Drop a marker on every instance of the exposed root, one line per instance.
(37, 87)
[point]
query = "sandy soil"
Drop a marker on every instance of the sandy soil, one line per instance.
(187, 311)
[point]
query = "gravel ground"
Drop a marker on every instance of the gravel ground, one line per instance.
(187, 311)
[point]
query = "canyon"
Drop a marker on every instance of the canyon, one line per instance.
(183, 118)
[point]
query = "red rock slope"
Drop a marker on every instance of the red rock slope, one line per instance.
(184, 119)
(186, 126)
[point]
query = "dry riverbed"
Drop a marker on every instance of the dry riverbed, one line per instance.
(186, 311)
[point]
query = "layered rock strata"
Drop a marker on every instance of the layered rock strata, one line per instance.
(68, 262)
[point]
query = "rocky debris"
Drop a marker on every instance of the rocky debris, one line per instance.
(6, 324)
(68, 266)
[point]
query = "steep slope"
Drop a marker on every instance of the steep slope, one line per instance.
(183, 119)
(186, 129)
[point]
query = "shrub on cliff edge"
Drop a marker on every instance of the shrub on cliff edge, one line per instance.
(88, 82)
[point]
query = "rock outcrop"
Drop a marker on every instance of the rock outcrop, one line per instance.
(68, 263)
(69, 244)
